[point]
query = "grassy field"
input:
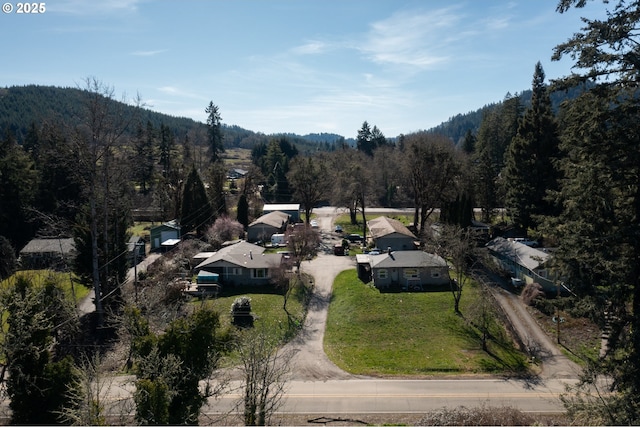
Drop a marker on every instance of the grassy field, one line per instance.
(373, 333)
(267, 308)
(39, 276)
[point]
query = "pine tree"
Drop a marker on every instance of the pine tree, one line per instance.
(38, 385)
(529, 170)
(216, 147)
(598, 228)
(243, 211)
(197, 213)
(469, 142)
(364, 141)
(497, 129)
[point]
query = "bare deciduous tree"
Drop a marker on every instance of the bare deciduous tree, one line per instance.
(458, 246)
(266, 374)
(308, 177)
(433, 171)
(302, 243)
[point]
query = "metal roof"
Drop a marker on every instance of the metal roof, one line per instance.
(520, 253)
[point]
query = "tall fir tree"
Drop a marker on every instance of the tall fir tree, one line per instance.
(196, 212)
(243, 211)
(215, 137)
(529, 171)
(364, 140)
(496, 131)
(598, 229)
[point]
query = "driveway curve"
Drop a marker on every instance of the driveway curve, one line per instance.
(310, 362)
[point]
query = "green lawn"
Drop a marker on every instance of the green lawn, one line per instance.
(64, 279)
(267, 308)
(373, 333)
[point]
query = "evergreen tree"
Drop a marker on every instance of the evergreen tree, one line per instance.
(469, 142)
(167, 149)
(529, 166)
(217, 196)
(18, 183)
(60, 191)
(35, 378)
(243, 211)
(170, 367)
(497, 129)
(8, 262)
(275, 169)
(143, 160)
(364, 140)
(377, 138)
(598, 229)
(197, 213)
(215, 137)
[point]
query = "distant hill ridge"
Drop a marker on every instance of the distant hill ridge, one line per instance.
(20, 106)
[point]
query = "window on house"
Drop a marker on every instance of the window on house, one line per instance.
(234, 271)
(436, 274)
(382, 274)
(259, 273)
(542, 273)
(411, 273)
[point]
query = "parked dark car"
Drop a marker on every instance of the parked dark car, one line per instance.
(355, 238)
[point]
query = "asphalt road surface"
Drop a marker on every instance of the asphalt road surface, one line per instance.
(319, 387)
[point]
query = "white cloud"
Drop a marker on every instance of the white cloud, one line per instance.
(411, 38)
(148, 52)
(310, 48)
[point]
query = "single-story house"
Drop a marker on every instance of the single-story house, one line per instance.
(241, 264)
(291, 209)
(163, 232)
(523, 262)
(389, 233)
(56, 253)
(408, 270)
(266, 226)
(237, 173)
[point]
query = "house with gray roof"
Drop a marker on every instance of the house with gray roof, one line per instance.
(388, 233)
(523, 262)
(406, 270)
(267, 225)
(291, 209)
(56, 253)
(241, 264)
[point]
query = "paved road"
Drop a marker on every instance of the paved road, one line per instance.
(87, 304)
(319, 387)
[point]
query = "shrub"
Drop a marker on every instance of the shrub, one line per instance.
(531, 293)
(241, 312)
(480, 416)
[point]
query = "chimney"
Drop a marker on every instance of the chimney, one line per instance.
(251, 254)
(389, 250)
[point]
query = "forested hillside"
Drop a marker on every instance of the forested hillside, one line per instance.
(22, 106)
(457, 126)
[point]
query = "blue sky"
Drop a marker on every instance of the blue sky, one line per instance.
(302, 66)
